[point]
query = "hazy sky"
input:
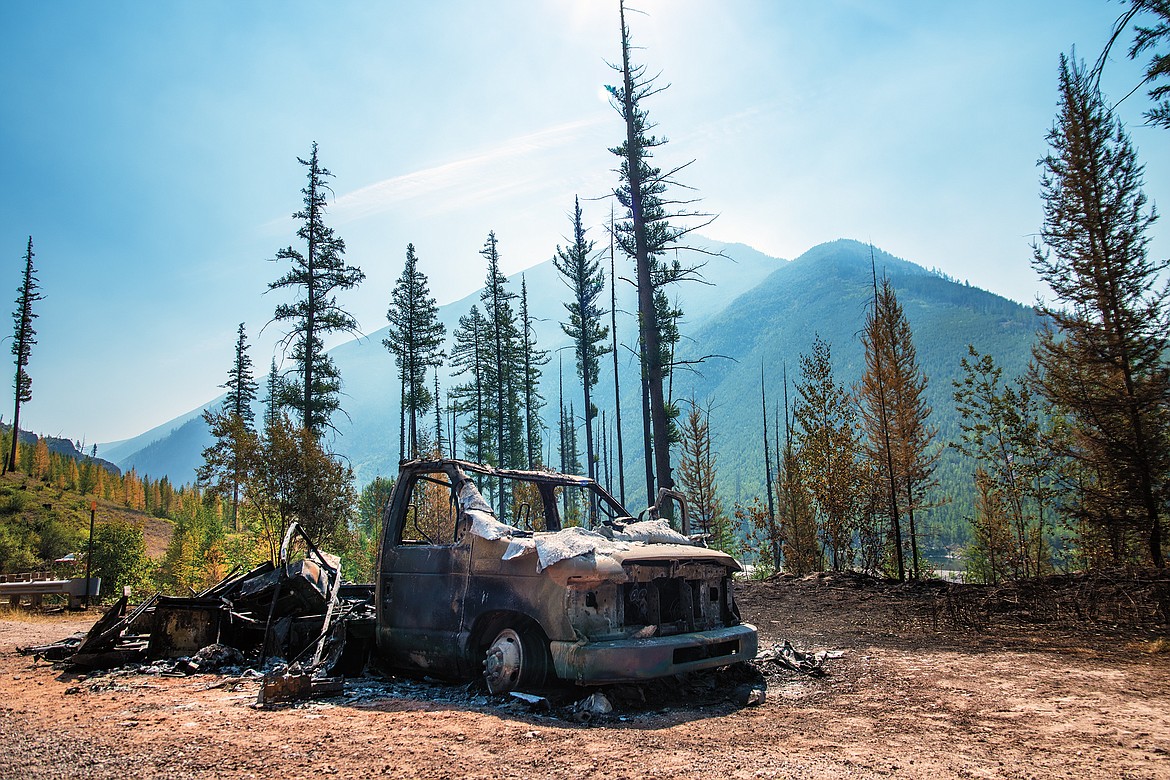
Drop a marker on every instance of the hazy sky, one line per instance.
(151, 147)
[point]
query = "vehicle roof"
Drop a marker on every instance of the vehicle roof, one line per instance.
(491, 471)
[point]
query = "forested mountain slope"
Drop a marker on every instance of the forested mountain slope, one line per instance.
(826, 291)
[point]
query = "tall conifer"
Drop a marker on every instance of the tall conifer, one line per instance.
(645, 235)
(1011, 439)
(469, 358)
(582, 274)
(1103, 361)
(24, 336)
(317, 273)
(617, 393)
(502, 377)
(415, 338)
(901, 441)
(241, 385)
(828, 445)
(696, 475)
(225, 462)
(533, 360)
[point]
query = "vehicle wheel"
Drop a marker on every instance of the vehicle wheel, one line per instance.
(515, 658)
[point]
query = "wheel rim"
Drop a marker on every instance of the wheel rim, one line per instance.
(504, 661)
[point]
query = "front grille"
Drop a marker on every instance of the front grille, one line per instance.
(674, 605)
(685, 655)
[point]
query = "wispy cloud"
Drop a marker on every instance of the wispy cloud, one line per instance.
(481, 177)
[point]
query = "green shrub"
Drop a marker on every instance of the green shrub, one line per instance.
(15, 553)
(119, 558)
(13, 504)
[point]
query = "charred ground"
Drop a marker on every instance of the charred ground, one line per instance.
(1062, 678)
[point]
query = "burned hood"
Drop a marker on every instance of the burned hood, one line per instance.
(611, 562)
(674, 552)
(582, 554)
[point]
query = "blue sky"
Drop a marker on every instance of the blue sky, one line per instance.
(151, 150)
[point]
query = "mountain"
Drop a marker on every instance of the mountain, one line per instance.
(755, 314)
(65, 447)
(826, 291)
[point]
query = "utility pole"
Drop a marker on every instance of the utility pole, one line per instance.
(89, 553)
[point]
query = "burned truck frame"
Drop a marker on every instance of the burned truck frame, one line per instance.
(488, 571)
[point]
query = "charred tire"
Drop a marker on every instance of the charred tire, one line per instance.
(516, 657)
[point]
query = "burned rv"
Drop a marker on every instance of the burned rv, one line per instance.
(493, 572)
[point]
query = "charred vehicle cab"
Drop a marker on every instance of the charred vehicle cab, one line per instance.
(488, 571)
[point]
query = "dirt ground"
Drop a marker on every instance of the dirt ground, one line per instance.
(912, 696)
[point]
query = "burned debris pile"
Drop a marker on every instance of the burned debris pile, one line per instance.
(299, 612)
(785, 657)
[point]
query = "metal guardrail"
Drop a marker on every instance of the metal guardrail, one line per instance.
(27, 576)
(74, 589)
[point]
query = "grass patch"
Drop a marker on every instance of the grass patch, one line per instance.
(12, 503)
(50, 614)
(1159, 646)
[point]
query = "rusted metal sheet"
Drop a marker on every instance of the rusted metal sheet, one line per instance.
(294, 686)
(184, 626)
(299, 610)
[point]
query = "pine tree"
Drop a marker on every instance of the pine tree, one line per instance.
(24, 337)
(562, 442)
(768, 489)
(40, 468)
(582, 274)
(225, 460)
(230, 457)
(241, 385)
(900, 441)
(617, 394)
(570, 462)
(828, 444)
(1011, 439)
(533, 360)
(913, 449)
(316, 274)
(438, 418)
(782, 535)
(469, 357)
(796, 523)
(502, 378)
(696, 475)
(1103, 361)
(605, 476)
(645, 235)
(567, 450)
(272, 400)
(415, 338)
(992, 555)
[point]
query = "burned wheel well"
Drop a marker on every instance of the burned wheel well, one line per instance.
(514, 651)
(489, 624)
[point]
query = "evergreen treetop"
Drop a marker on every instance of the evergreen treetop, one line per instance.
(415, 338)
(241, 386)
(317, 273)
